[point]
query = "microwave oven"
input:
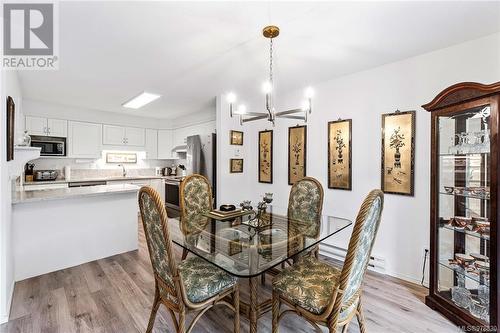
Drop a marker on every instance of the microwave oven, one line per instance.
(50, 145)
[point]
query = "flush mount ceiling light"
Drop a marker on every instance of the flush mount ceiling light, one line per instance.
(271, 32)
(140, 100)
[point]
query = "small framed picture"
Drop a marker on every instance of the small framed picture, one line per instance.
(236, 165)
(236, 138)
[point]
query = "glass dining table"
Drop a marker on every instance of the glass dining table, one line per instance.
(250, 244)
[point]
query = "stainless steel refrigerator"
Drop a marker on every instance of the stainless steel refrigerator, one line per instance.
(201, 158)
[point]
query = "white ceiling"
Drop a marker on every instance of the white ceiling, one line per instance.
(190, 52)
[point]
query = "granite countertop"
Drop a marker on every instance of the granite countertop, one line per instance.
(72, 180)
(20, 197)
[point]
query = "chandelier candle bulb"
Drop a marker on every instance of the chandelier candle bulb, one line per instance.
(242, 109)
(267, 87)
(309, 92)
(231, 98)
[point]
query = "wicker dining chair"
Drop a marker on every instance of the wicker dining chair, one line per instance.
(192, 285)
(305, 204)
(324, 294)
(195, 199)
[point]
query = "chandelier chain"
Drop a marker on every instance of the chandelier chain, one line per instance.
(271, 62)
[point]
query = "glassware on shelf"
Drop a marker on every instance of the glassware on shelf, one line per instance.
(461, 296)
(483, 292)
(477, 308)
(470, 143)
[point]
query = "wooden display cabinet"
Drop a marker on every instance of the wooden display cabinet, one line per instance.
(464, 240)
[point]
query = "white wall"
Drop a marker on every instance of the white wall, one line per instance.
(9, 86)
(363, 97)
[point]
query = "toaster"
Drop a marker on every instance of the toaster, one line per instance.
(45, 174)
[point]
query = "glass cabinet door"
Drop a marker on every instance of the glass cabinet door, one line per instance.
(463, 203)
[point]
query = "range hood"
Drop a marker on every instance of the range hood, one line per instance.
(180, 149)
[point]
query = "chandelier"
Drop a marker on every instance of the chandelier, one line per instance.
(271, 114)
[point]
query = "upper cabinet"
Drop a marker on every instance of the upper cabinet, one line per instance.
(151, 145)
(135, 136)
(165, 144)
(84, 140)
(118, 136)
(46, 126)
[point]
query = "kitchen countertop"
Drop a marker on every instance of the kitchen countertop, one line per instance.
(20, 197)
(73, 180)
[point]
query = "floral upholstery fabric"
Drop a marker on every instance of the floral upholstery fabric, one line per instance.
(157, 243)
(362, 257)
(309, 283)
(202, 280)
(196, 201)
(304, 203)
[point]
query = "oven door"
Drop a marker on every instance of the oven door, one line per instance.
(172, 194)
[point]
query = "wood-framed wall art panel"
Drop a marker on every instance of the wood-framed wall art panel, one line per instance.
(236, 165)
(266, 156)
(236, 138)
(340, 154)
(297, 153)
(398, 153)
(11, 128)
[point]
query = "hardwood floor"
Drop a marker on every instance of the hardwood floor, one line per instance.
(115, 295)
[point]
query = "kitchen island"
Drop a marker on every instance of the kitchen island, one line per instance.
(60, 228)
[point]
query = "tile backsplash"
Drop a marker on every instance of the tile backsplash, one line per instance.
(86, 168)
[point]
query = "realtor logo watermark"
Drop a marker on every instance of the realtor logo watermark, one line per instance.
(30, 38)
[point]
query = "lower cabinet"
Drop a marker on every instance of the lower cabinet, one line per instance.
(84, 140)
(157, 184)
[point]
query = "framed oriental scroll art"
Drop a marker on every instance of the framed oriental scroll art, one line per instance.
(398, 152)
(266, 156)
(297, 140)
(339, 154)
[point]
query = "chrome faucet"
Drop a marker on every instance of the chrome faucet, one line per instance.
(124, 171)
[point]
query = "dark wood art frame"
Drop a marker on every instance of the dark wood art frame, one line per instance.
(270, 155)
(412, 152)
(232, 140)
(460, 97)
(233, 160)
(304, 159)
(330, 141)
(11, 128)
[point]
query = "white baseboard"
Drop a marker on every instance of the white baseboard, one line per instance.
(4, 317)
(339, 254)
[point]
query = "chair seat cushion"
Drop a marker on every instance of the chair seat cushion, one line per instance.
(202, 280)
(309, 283)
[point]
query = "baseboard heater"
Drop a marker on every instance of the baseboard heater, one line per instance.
(376, 264)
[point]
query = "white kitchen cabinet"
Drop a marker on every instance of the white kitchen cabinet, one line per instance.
(119, 136)
(113, 135)
(134, 136)
(36, 125)
(84, 140)
(46, 126)
(159, 186)
(151, 144)
(165, 144)
(57, 127)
